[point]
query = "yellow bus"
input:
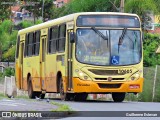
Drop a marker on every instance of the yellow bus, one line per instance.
(80, 54)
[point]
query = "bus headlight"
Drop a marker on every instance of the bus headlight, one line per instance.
(82, 75)
(135, 76)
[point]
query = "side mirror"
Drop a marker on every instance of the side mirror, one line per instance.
(72, 37)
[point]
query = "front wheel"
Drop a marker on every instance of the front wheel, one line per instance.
(40, 95)
(118, 97)
(80, 96)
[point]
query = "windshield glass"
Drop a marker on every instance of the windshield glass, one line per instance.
(92, 48)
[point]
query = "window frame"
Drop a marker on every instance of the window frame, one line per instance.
(17, 49)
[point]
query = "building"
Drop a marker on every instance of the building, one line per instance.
(155, 25)
(60, 3)
(19, 14)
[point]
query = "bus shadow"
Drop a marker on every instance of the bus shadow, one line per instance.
(89, 101)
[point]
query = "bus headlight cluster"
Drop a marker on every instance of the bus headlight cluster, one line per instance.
(82, 75)
(135, 76)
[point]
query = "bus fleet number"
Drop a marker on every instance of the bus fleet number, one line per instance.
(125, 71)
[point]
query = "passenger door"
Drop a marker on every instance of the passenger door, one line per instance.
(69, 61)
(43, 62)
(21, 63)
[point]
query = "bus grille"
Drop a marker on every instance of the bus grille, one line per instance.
(109, 85)
(112, 79)
(105, 72)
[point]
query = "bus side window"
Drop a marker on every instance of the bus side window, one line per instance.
(26, 46)
(30, 44)
(62, 38)
(53, 39)
(37, 35)
(49, 39)
(17, 50)
(34, 44)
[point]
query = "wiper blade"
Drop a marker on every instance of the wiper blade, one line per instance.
(121, 38)
(100, 34)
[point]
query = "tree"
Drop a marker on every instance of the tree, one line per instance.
(36, 8)
(150, 45)
(5, 9)
(143, 8)
(5, 30)
(10, 54)
(87, 6)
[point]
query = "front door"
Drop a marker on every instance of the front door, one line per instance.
(69, 62)
(21, 63)
(43, 62)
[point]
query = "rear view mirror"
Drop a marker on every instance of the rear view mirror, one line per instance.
(72, 37)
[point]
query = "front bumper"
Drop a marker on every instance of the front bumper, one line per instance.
(107, 87)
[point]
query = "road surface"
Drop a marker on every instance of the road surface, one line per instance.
(91, 109)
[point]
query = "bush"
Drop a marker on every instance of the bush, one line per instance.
(25, 24)
(9, 72)
(150, 44)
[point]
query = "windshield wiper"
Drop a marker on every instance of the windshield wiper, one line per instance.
(100, 34)
(121, 38)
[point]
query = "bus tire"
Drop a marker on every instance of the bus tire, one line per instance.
(118, 97)
(80, 97)
(64, 96)
(40, 95)
(31, 93)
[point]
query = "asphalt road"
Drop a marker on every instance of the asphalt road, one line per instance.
(108, 110)
(25, 105)
(91, 109)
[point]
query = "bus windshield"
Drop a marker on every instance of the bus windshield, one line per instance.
(91, 48)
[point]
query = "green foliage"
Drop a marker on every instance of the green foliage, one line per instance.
(38, 22)
(61, 107)
(25, 24)
(1, 75)
(5, 11)
(47, 11)
(86, 6)
(9, 72)
(9, 55)
(147, 93)
(143, 8)
(6, 26)
(139, 6)
(7, 37)
(150, 44)
(8, 41)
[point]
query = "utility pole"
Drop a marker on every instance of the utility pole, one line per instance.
(122, 6)
(42, 9)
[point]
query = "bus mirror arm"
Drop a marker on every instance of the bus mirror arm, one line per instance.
(72, 37)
